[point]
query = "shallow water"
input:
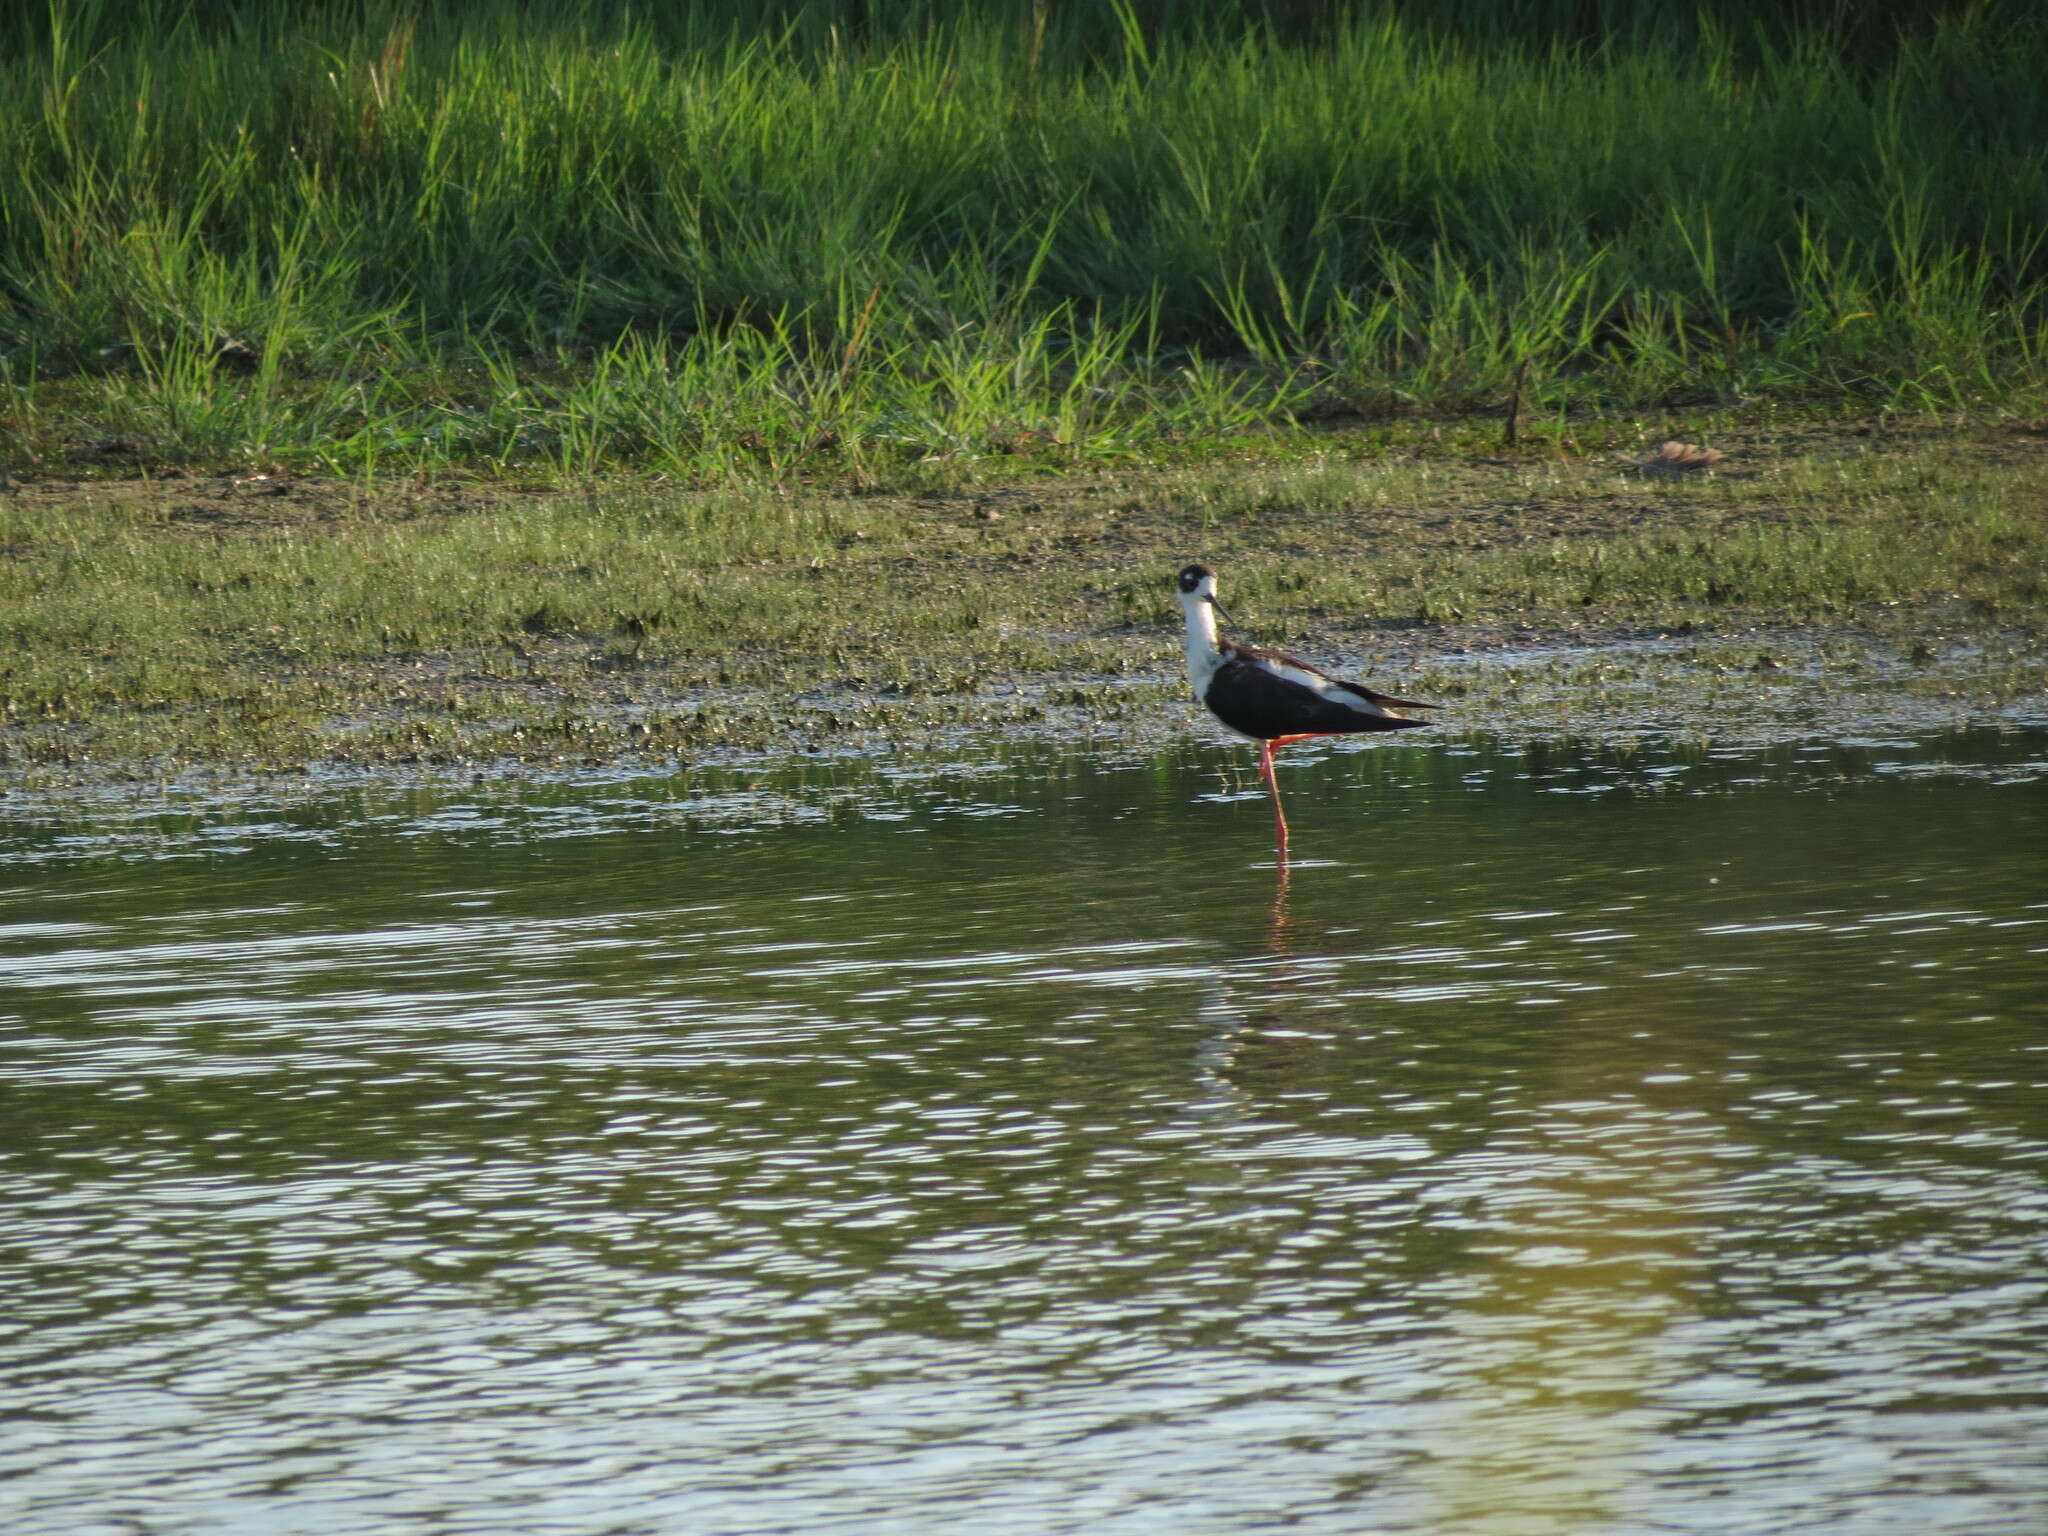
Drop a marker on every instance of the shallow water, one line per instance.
(1576, 1140)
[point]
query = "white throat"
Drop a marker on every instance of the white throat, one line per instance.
(1204, 655)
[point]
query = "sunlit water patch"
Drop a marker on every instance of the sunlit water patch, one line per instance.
(1571, 1141)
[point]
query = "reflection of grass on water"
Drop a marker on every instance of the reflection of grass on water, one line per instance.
(886, 243)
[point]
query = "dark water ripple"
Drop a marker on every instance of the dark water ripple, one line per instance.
(1580, 1142)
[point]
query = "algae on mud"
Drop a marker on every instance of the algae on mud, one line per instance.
(270, 621)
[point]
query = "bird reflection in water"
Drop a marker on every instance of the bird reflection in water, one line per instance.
(1253, 1008)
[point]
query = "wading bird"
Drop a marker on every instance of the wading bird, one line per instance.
(1270, 697)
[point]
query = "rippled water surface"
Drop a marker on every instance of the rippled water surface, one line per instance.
(1578, 1141)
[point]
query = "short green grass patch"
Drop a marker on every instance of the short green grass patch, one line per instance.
(452, 623)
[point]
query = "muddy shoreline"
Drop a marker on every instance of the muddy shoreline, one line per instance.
(1824, 578)
(1740, 690)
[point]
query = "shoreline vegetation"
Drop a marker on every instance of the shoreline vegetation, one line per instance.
(268, 622)
(386, 384)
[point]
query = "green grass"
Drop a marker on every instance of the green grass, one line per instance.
(956, 241)
(144, 623)
(1822, 540)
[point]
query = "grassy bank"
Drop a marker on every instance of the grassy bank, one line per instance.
(555, 241)
(271, 620)
(390, 383)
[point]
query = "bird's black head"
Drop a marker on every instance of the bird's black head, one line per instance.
(1193, 576)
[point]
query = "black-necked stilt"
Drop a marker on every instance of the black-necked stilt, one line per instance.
(1270, 697)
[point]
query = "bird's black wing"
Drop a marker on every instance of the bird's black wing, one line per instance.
(1370, 695)
(1384, 700)
(1254, 700)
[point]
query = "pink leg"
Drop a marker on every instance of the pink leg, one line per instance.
(1273, 787)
